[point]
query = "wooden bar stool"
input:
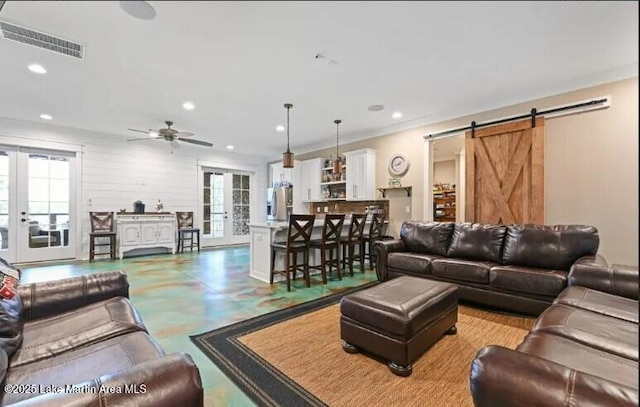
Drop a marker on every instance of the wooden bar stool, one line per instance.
(375, 233)
(331, 231)
(298, 237)
(101, 230)
(186, 231)
(353, 240)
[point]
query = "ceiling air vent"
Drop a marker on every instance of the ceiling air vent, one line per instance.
(40, 40)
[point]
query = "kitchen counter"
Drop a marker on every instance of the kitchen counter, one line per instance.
(262, 234)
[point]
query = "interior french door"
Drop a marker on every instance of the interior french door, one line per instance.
(226, 207)
(505, 173)
(37, 204)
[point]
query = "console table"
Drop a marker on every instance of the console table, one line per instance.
(145, 231)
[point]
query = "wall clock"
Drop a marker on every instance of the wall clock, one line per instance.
(398, 165)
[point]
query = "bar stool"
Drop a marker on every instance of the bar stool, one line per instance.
(186, 231)
(102, 229)
(298, 237)
(356, 229)
(331, 231)
(375, 234)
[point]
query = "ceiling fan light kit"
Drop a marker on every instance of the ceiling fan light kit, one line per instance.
(287, 157)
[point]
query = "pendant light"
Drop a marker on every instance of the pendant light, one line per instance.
(337, 163)
(287, 157)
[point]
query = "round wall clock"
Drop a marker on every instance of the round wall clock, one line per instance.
(398, 165)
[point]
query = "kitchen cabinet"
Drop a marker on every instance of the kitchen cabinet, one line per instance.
(145, 231)
(361, 174)
(310, 179)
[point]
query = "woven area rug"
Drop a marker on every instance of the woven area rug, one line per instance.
(293, 357)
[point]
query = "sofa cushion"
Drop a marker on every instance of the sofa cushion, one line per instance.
(549, 246)
(475, 241)
(47, 337)
(595, 330)
(581, 357)
(410, 262)
(600, 302)
(11, 320)
(427, 238)
(528, 280)
(82, 364)
(464, 270)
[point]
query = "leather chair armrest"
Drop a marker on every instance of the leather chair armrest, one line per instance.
(505, 377)
(594, 272)
(58, 296)
(172, 380)
(382, 248)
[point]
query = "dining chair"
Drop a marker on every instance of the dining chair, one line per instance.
(186, 231)
(102, 234)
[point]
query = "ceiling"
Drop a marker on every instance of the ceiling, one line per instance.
(239, 62)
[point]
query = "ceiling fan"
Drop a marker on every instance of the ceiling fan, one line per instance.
(171, 135)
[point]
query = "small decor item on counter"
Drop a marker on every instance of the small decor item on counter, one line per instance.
(123, 210)
(343, 194)
(138, 207)
(159, 206)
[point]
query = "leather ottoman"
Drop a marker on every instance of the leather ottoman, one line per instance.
(398, 320)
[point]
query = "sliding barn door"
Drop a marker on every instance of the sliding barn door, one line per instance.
(505, 173)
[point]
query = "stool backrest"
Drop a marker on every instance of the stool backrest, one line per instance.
(332, 228)
(377, 223)
(300, 227)
(101, 221)
(356, 228)
(185, 219)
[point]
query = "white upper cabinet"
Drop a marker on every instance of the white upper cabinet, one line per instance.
(361, 174)
(310, 179)
(279, 174)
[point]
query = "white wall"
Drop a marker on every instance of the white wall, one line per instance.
(444, 172)
(116, 173)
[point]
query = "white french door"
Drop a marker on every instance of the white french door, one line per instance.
(37, 204)
(226, 207)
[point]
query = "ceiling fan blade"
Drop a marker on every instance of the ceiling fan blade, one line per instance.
(144, 138)
(184, 134)
(198, 142)
(141, 131)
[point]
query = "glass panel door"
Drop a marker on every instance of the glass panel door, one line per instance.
(4, 206)
(45, 203)
(226, 208)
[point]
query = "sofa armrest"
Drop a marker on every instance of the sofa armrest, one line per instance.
(172, 380)
(505, 377)
(58, 296)
(382, 248)
(594, 272)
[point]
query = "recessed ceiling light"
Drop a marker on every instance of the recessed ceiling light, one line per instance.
(375, 108)
(279, 127)
(45, 116)
(139, 9)
(188, 106)
(37, 68)
(230, 147)
(396, 115)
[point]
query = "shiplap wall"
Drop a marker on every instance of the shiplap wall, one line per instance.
(115, 173)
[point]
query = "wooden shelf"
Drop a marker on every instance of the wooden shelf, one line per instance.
(333, 183)
(384, 190)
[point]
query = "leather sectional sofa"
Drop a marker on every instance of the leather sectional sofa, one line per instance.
(521, 268)
(79, 341)
(582, 351)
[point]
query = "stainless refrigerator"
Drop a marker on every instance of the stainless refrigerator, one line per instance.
(279, 202)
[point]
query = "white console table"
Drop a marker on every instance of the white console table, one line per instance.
(145, 231)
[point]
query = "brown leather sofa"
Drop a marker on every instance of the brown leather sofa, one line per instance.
(80, 342)
(582, 351)
(521, 268)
